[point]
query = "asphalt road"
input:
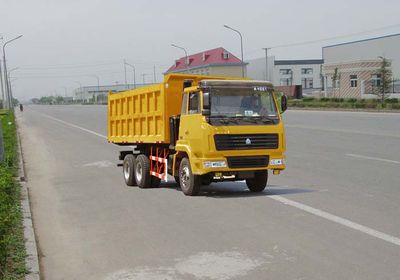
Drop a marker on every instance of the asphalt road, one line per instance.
(333, 214)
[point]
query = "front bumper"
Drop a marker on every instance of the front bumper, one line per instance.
(202, 166)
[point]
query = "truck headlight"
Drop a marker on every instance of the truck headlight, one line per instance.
(277, 161)
(214, 164)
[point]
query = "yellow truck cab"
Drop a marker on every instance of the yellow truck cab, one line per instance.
(199, 129)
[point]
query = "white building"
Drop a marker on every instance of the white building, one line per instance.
(350, 69)
(99, 93)
(306, 73)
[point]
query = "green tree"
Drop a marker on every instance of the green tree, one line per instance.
(59, 99)
(385, 74)
(336, 78)
(15, 101)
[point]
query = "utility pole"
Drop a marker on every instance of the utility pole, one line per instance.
(154, 74)
(134, 73)
(266, 63)
(144, 75)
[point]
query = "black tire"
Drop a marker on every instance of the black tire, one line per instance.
(190, 183)
(128, 170)
(259, 182)
(155, 182)
(146, 180)
(177, 181)
(206, 179)
(142, 172)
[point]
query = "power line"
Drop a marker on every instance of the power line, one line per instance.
(66, 66)
(72, 66)
(62, 76)
(335, 38)
(326, 39)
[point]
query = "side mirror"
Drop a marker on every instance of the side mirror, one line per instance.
(205, 112)
(283, 103)
(206, 100)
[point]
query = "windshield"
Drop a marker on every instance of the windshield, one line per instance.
(242, 102)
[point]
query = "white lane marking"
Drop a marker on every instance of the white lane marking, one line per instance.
(373, 158)
(341, 130)
(72, 125)
(76, 126)
(99, 164)
(204, 265)
(372, 232)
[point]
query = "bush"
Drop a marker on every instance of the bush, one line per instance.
(308, 99)
(325, 99)
(395, 106)
(370, 105)
(352, 100)
(359, 105)
(380, 106)
(391, 100)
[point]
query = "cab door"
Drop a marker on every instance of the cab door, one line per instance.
(190, 123)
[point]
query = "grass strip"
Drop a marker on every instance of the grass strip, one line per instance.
(12, 246)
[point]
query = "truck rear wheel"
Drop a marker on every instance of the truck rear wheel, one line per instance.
(128, 170)
(259, 182)
(190, 183)
(142, 173)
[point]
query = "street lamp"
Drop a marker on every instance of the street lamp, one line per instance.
(134, 73)
(186, 55)
(241, 45)
(8, 94)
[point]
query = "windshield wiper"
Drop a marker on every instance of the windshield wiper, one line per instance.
(257, 119)
(223, 119)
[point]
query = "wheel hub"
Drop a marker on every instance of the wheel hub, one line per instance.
(185, 177)
(127, 170)
(139, 172)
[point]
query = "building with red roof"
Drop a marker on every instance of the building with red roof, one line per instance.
(215, 62)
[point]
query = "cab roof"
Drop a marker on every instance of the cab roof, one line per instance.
(235, 83)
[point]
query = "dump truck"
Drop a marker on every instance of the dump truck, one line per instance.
(200, 130)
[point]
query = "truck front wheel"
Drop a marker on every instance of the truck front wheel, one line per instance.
(142, 173)
(128, 168)
(259, 182)
(190, 183)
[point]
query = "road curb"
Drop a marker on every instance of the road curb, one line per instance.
(32, 259)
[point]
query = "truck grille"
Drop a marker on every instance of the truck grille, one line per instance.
(246, 141)
(248, 162)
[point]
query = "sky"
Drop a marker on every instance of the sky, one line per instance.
(67, 43)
